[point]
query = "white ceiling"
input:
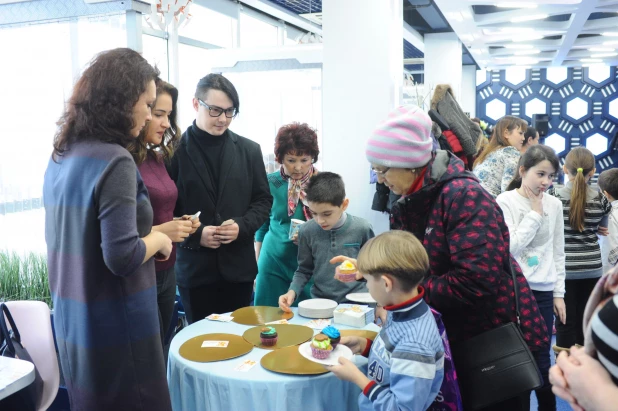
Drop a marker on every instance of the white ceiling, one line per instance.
(536, 33)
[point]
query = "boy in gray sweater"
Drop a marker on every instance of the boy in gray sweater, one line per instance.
(331, 232)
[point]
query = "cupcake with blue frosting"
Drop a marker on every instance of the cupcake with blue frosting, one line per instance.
(333, 334)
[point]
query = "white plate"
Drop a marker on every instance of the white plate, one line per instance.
(333, 359)
(361, 298)
(317, 308)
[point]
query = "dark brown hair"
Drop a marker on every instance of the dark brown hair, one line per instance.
(296, 139)
(497, 141)
(138, 147)
(215, 81)
(101, 106)
(535, 155)
(529, 134)
(608, 181)
(578, 158)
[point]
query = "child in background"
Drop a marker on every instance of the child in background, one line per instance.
(405, 367)
(608, 183)
(583, 210)
(330, 233)
(536, 228)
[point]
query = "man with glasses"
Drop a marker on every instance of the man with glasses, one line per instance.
(222, 175)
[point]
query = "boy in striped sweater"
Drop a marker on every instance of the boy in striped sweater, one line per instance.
(406, 360)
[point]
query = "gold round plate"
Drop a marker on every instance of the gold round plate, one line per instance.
(289, 361)
(287, 335)
(259, 315)
(359, 333)
(192, 349)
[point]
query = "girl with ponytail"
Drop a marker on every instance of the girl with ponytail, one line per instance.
(583, 210)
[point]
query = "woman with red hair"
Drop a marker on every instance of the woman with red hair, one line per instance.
(296, 149)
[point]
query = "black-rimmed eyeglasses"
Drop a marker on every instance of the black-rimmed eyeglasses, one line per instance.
(217, 111)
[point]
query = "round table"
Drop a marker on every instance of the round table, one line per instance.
(216, 386)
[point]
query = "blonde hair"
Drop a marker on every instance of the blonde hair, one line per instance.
(579, 163)
(398, 254)
(497, 140)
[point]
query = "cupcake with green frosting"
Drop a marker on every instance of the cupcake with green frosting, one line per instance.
(269, 336)
(333, 334)
(321, 347)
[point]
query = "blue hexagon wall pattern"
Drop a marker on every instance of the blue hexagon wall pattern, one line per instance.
(582, 104)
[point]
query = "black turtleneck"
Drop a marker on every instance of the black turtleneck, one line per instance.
(212, 149)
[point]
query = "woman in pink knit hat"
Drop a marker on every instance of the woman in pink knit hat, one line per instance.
(462, 229)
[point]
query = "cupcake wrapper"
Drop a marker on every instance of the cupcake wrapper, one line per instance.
(347, 277)
(319, 353)
(269, 342)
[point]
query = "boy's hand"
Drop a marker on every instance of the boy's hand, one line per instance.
(356, 344)
(341, 258)
(380, 314)
(347, 371)
(286, 300)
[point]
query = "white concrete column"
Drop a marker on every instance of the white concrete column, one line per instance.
(362, 78)
(467, 98)
(443, 61)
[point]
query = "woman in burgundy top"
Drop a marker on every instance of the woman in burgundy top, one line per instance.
(152, 150)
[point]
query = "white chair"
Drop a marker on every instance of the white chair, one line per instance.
(32, 319)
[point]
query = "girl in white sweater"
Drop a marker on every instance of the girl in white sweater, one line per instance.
(536, 227)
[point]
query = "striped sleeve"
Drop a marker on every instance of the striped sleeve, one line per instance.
(605, 336)
(416, 376)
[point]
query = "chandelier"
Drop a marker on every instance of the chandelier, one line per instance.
(164, 13)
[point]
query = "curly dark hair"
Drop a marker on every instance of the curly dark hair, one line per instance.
(138, 147)
(298, 139)
(101, 106)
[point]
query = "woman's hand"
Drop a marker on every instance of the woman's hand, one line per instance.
(583, 382)
(176, 230)
(560, 309)
(165, 247)
(195, 222)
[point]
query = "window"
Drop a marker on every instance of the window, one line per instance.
(36, 86)
(256, 33)
(155, 51)
(209, 26)
(271, 99)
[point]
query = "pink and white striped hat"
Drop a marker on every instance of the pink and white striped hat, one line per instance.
(403, 140)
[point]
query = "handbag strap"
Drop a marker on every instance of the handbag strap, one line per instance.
(5, 332)
(512, 272)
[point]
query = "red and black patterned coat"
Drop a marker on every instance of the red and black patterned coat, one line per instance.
(463, 231)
